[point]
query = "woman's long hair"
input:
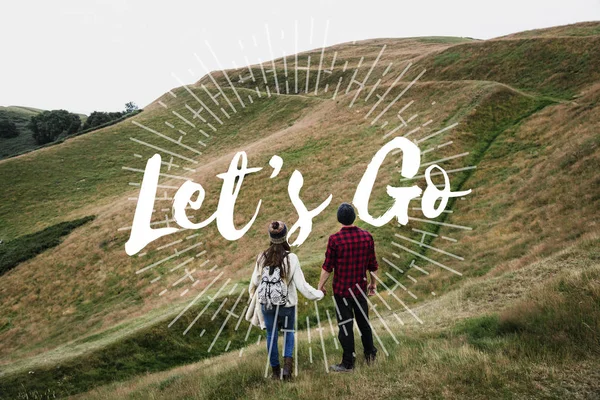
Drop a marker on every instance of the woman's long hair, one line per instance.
(274, 256)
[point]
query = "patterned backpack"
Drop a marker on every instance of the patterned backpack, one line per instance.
(272, 290)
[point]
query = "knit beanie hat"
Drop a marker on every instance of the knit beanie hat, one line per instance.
(277, 232)
(345, 214)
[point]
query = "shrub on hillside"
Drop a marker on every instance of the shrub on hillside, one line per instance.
(49, 125)
(8, 129)
(25, 247)
(98, 118)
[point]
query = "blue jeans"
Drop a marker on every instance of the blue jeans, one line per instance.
(284, 317)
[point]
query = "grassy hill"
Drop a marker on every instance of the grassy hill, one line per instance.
(526, 107)
(24, 142)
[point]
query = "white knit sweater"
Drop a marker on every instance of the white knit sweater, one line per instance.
(295, 279)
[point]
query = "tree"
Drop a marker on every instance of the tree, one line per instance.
(131, 107)
(8, 129)
(98, 118)
(49, 125)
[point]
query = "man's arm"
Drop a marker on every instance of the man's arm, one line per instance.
(372, 288)
(323, 280)
(328, 264)
(373, 267)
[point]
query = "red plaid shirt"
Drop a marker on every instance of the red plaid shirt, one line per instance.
(350, 253)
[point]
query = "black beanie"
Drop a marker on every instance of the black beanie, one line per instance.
(345, 214)
(277, 232)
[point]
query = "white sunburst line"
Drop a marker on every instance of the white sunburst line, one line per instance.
(177, 254)
(215, 83)
(169, 244)
(370, 303)
(210, 301)
(229, 314)
(396, 129)
(386, 304)
(421, 244)
(225, 74)
(296, 56)
(450, 171)
(240, 318)
(212, 97)
(448, 143)
(391, 264)
(335, 342)
(274, 70)
(415, 266)
(166, 137)
(191, 303)
(248, 65)
(378, 82)
(196, 114)
(369, 322)
(322, 56)
(392, 86)
(296, 341)
(364, 82)
(310, 355)
(219, 309)
(186, 262)
(391, 293)
(188, 274)
(441, 223)
(437, 133)
(420, 209)
(163, 150)
(353, 79)
(273, 338)
(320, 329)
(185, 120)
(398, 97)
(307, 69)
(160, 173)
(439, 264)
(401, 285)
(445, 159)
(198, 99)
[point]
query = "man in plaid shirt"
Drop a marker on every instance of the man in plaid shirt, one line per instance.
(350, 254)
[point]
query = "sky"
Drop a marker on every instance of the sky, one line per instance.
(83, 55)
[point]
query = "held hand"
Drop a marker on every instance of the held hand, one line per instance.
(322, 289)
(371, 289)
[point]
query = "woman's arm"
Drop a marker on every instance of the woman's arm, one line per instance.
(255, 278)
(303, 287)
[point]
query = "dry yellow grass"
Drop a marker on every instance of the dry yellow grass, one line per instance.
(424, 365)
(535, 194)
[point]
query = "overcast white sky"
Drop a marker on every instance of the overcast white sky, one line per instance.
(97, 55)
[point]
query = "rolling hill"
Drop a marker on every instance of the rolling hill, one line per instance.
(20, 116)
(515, 119)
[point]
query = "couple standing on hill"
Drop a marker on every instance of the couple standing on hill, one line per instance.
(277, 275)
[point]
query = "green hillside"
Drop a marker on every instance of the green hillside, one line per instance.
(515, 119)
(20, 116)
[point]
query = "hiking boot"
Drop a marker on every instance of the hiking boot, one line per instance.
(288, 365)
(370, 358)
(276, 375)
(340, 368)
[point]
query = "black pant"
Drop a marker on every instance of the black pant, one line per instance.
(347, 309)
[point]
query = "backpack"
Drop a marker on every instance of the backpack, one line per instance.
(272, 290)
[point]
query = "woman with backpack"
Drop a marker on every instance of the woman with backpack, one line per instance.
(276, 278)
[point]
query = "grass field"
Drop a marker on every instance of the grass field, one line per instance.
(78, 316)
(500, 348)
(24, 142)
